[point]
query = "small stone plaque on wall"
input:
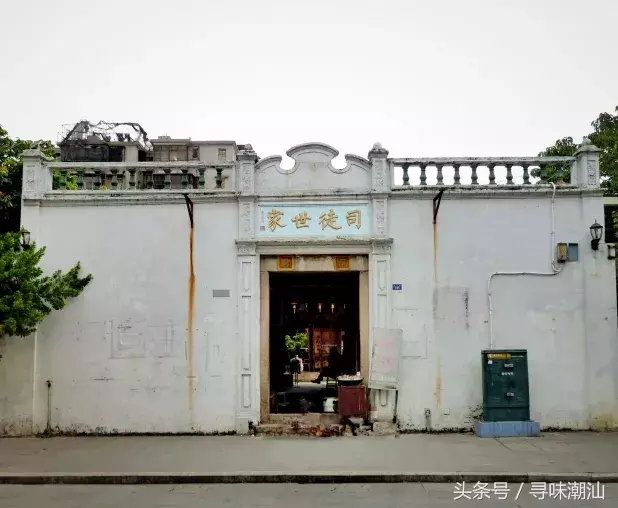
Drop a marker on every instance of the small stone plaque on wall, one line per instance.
(341, 262)
(285, 263)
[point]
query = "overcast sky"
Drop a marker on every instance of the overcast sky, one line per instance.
(425, 78)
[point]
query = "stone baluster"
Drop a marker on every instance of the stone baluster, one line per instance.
(456, 177)
(114, 179)
(406, 176)
(62, 183)
(543, 173)
(492, 173)
(219, 178)
(475, 176)
(509, 174)
(167, 184)
(526, 174)
(80, 179)
(202, 180)
(132, 179)
(184, 180)
(560, 174)
(96, 184)
(423, 174)
(440, 180)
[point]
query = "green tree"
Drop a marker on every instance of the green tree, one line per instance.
(561, 148)
(11, 165)
(298, 341)
(605, 137)
(26, 295)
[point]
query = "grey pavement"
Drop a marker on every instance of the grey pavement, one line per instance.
(417, 495)
(571, 452)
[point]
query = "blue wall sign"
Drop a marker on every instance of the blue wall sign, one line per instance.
(397, 287)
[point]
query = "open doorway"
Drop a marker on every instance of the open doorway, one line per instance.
(314, 335)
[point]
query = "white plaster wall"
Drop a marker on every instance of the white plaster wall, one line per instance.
(117, 354)
(131, 153)
(16, 371)
(445, 321)
(210, 153)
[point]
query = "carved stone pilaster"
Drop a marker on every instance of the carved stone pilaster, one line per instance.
(380, 217)
(247, 410)
(380, 175)
(37, 176)
(382, 401)
(585, 171)
(246, 170)
(246, 218)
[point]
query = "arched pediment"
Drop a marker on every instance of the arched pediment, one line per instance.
(313, 170)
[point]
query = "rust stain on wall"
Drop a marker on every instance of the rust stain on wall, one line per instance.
(190, 345)
(438, 393)
(435, 252)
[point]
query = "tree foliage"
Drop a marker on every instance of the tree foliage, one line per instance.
(299, 341)
(26, 295)
(11, 166)
(605, 137)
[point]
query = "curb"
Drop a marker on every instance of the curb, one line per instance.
(276, 477)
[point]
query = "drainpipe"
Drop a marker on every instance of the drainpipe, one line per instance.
(49, 409)
(555, 267)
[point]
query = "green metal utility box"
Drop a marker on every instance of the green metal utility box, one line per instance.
(505, 385)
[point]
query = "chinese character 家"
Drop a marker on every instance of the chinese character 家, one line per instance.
(274, 219)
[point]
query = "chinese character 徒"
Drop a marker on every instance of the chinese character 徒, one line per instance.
(274, 219)
(302, 220)
(328, 220)
(354, 218)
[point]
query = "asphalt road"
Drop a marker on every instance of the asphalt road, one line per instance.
(430, 495)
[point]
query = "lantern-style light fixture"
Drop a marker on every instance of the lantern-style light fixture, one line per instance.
(25, 239)
(596, 231)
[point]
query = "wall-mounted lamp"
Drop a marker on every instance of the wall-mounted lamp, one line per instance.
(596, 231)
(611, 251)
(25, 239)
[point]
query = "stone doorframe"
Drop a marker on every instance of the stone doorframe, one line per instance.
(308, 263)
(370, 257)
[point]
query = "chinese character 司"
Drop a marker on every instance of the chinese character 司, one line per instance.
(328, 220)
(301, 220)
(354, 218)
(274, 219)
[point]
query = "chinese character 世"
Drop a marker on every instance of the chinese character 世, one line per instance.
(274, 219)
(301, 220)
(328, 220)
(354, 218)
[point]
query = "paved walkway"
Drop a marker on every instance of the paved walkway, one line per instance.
(417, 495)
(574, 452)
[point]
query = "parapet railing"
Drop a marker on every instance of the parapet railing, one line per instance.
(140, 175)
(421, 172)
